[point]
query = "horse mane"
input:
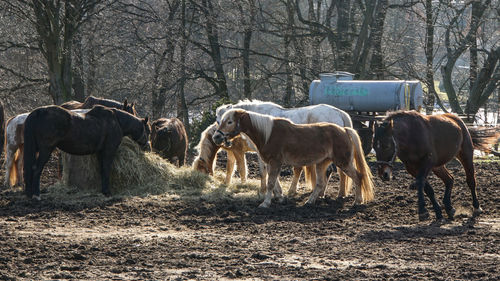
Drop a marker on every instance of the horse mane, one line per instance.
(248, 103)
(205, 146)
(263, 123)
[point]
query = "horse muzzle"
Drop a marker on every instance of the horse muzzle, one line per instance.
(218, 138)
(385, 173)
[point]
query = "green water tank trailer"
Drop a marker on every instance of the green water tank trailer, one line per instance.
(340, 90)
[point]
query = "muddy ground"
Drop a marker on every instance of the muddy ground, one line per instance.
(157, 237)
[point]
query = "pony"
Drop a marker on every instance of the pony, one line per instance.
(14, 142)
(169, 139)
(301, 115)
(207, 155)
(424, 144)
(99, 131)
(279, 141)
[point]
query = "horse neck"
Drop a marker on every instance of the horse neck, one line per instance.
(255, 133)
(208, 149)
(128, 123)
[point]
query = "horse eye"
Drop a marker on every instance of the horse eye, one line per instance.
(229, 122)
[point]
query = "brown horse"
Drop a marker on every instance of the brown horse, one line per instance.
(90, 101)
(425, 144)
(236, 155)
(280, 141)
(169, 139)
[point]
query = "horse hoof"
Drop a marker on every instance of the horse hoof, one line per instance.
(280, 199)
(438, 222)
(263, 205)
(451, 213)
(423, 216)
(36, 197)
(477, 211)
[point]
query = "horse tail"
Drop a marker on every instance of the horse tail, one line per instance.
(30, 149)
(367, 192)
(483, 138)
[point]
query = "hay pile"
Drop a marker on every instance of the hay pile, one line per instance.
(133, 172)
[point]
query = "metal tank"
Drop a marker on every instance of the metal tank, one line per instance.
(340, 90)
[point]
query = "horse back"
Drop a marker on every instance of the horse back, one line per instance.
(306, 142)
(436, 137)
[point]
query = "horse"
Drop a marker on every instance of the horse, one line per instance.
(14, 141)
(90, 101)
(169, 139)
(424, 144)
(207, 149)
(100, 131)
(301, 115)
(279, 141)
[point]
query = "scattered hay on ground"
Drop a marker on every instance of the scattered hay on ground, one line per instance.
(138, 173)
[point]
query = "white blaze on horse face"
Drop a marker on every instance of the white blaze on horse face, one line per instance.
(228, 122)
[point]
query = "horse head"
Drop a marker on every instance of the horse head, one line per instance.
(161, 138)
(143, 137)
(229, 127)
(385, 149)
(221, 110)
(202, 166)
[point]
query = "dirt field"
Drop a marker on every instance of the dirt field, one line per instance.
(227, 237)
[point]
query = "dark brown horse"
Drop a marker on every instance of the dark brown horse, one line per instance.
(91, 101)
(169, 140)
(98, 131)
(425, 144)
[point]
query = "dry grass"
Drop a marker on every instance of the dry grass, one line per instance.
(138, 173)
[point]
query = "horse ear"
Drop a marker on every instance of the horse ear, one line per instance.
(125, 103)
(146, 119)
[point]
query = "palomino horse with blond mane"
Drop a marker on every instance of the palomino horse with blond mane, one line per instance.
(280, 142)
(208, 150)
(301, 115)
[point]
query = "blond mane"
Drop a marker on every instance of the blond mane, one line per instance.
(263, 123)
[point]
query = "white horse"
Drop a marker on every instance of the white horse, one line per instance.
(14, 147)
(301, 115)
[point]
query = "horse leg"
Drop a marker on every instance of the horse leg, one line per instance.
(19, 164)
(430, 193)
(106, 159)
(466, 160)
(292, 191)
(241, 165)
(43, 158)
(343, 184)
(420, 181)
(263, 176)
(274, 170)
(229, 166)
(320, 182)
(447, 178)
(351, 172)
(9, 159)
